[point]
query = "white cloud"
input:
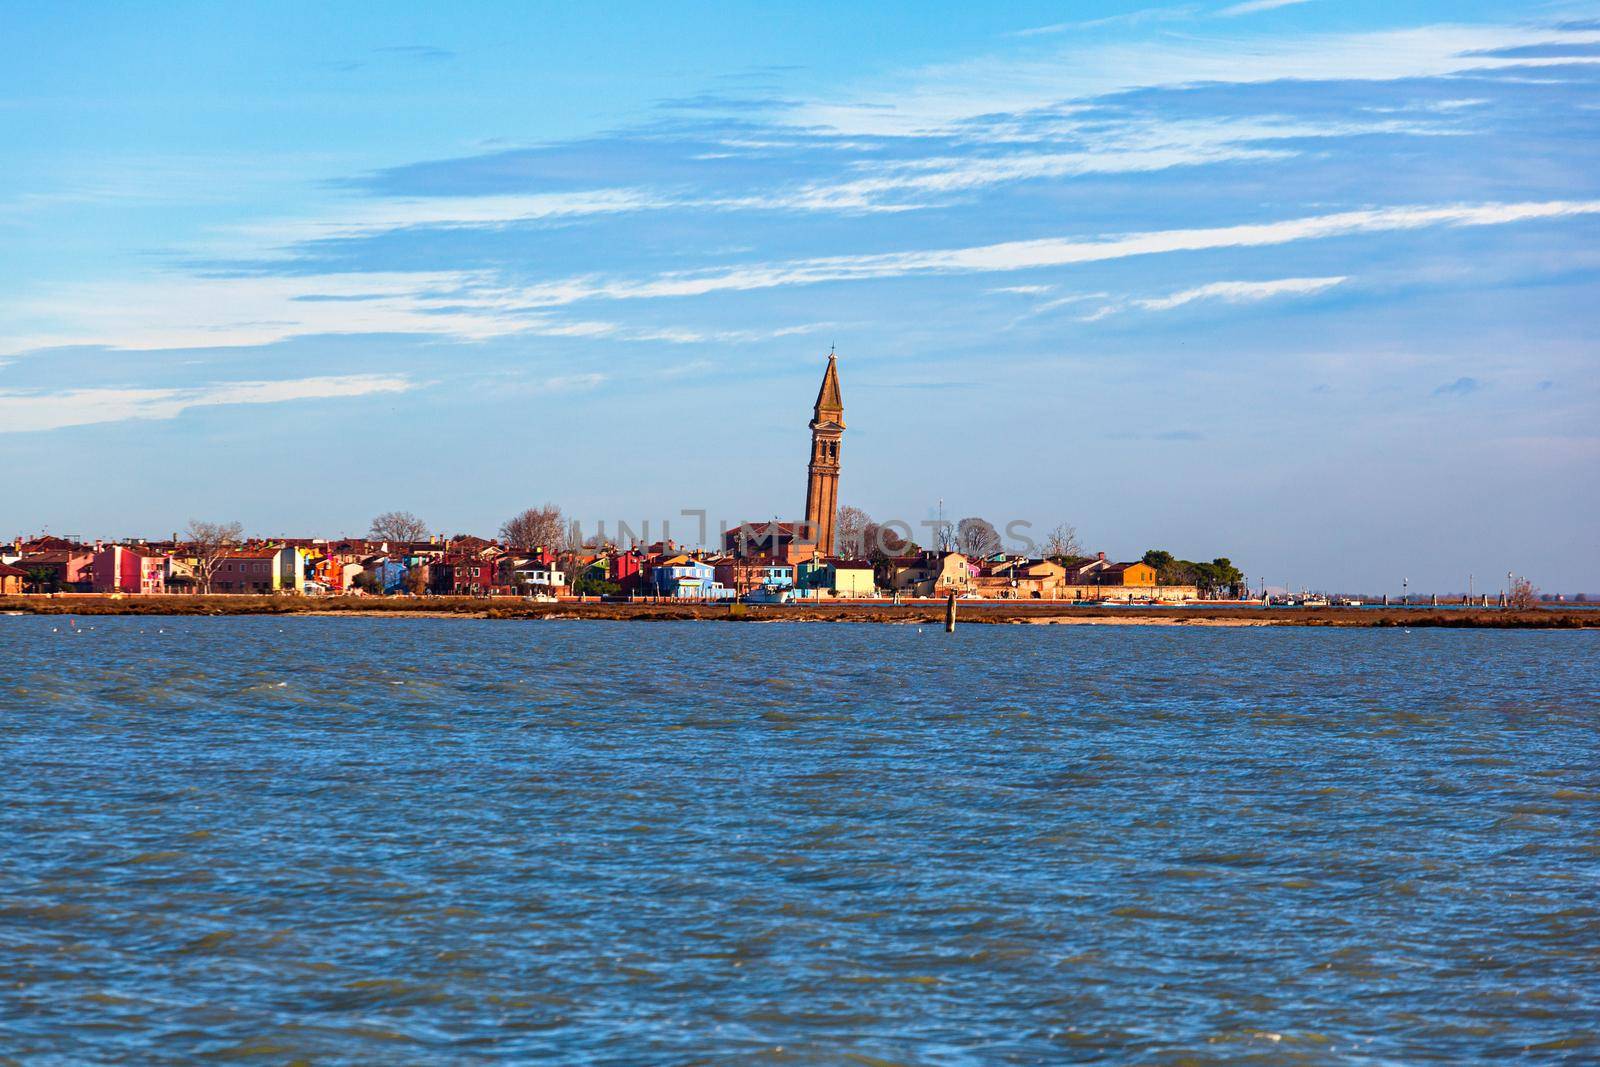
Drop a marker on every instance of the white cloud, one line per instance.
(1250, 7)
(32, 412)
(167, 311)
(178, 311)
(1229, 292)
(357, 219)
(1129, 147)
(172, 310)
(1051, 252)
(941, 98)
(569, 383)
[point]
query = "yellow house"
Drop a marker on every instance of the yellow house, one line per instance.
(853, 579)
(929, 574)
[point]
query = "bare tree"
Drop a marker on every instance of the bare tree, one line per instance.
(209, 542)
(416, 580)
(976, 537)
(850, 529)
(1062, 542)
(398, 526)
(882, 542)
(539, 527)
(1523, 595)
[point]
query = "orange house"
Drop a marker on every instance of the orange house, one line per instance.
(12, 579)
(1138, 573)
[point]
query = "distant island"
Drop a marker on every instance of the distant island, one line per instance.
(835, 562)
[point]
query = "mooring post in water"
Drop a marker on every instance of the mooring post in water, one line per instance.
(950, 615)
(1436, 600)
(1386, 600)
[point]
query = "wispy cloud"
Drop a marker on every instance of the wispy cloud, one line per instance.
(387, 214)
(1227, 292)
(1127, 18)
(1050, 252)
(946, 96)
(180, 311)
(1250, 7)
(1460, 387)
(1100, 147)
(34, 412)
(416, 51)
(176, 311)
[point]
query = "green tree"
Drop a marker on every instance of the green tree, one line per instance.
(1158, 558)
(1226, 576)
(595, 585)
(43, 579)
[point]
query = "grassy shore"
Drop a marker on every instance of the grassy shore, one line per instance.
(924, 612)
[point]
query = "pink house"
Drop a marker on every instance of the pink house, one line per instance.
(128, 570)
(68, 569)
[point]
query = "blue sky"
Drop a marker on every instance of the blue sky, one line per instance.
(1310, 284)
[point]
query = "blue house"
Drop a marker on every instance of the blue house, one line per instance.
(390, 573)
(685, 578)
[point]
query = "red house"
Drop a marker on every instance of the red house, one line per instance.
(627, 570)
(128, 570)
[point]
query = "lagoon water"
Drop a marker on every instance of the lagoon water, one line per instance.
(414, 840)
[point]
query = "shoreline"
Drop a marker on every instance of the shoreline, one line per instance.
(985, 613)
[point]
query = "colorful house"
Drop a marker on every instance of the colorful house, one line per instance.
(748, 574)
(1137, 573)
(389, 574)
(465, 574)
(536, 576)
(687, 578)
(260, 570)
(1020, 578)
(13, 580)
(627, 570)
(1083, 571)
(118, 569)
(59, 570)
(927, 574)
(851, 577)
(788, 542)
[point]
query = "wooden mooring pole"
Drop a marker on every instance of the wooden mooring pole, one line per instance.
(950, 615)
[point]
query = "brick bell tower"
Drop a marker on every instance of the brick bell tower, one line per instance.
(822, 487)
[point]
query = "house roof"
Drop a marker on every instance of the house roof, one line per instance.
(762, 530)
(50, 543)
(59, 556)
(7, 571)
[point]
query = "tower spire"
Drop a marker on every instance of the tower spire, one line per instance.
(822, 484)
(830, 404)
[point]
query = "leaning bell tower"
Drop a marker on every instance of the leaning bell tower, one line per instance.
(822, 485)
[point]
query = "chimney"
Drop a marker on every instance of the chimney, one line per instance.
(1102, 555)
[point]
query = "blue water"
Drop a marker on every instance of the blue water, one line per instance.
(401, 841)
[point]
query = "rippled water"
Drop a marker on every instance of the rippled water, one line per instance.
(388, 840)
